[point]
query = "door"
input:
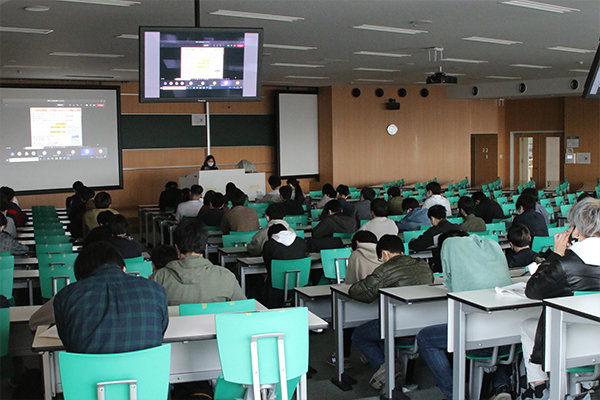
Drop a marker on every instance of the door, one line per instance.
(484, 158)
(538, 156)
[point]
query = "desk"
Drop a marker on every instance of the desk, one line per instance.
(189, 336)
(28, 275)
(316, 298)
(404, 311)
(572, 327)
(230, 254)
(22, 313)
(479, 319)
(347, 313)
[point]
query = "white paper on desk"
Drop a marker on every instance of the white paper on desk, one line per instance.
(516, 289)
(532, 267)
(51, 332)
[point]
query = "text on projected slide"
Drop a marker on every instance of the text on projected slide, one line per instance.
(51, 127)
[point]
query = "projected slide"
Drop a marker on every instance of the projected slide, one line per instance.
(55, 127)
(202, 62)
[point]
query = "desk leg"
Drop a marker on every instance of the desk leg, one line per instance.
(30, 289)
(301, 394)
(46, 366)
(459, 362)
(243, 279)
(556, 335)
(388, 340)
(340, 380)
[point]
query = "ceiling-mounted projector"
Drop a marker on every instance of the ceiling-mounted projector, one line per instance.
(441, 78)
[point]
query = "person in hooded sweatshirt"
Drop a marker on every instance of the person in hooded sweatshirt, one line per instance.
(281, 245)
(192, 278)
(363, 260)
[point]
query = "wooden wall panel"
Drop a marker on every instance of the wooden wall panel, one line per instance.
(535, 114)
(325, 138)
(582, 118)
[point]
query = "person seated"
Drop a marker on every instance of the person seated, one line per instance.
(520, 254)
(333, 221)
(213, 214)
(239, 218)
(120, 240)
(102, 202)
(434, 197)
(102, 232)
(192, 278)
(329, 194)
(395, 201)
(363, 260)
(209, 163)
(292, 207)
(10, 227)
(161, 255)
(77, 186)
(439, 225)
(362, 208)
(343, 193)
(107, 310)
(191, 207)
(169, 198)
(532, 192)
(184, 195)
(282, 244)
(9, 243)
(380, 224)
(13, 211)
(273, 196)
(533, 220)
(297, 193)
(486, 208)
(573, 266)
(416, 216)
(275, 214)
(468, 263)
(471, 222)
(397, 269)
(81, 202)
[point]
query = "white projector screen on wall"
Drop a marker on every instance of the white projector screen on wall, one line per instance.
(51, 137)
(298, 140)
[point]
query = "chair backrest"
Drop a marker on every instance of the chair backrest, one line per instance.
(7, 267)
(140, 268)
(133, 260)
(497, 193)
(558, 229)
(334, 263)
(396, 218)
(315, 212)
(260, 208)
(295, 220)
(546, 202)
(409, 235)
(508, 208)
(53, 248)
(4, 330)
(542, 243)
(237, 239)
(486, 235)
(498, 227)
(454, 220)
(263, 348)
(300, 233)
(502, 200)
(56, 271)
(315, 194)
(217, 308)
(343, 235)
(262, 222)
(559, 200)
(564, 209)
(288, 274)
(84, 376)
(51, 238)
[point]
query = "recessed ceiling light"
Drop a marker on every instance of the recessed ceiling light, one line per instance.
(306, 77)
(25, 30)
(127, 36)
(36, 8)
(125, 69)
(464, 60)
(502, 77)
(117, 3)
(68, 54)
(380, 54)
(491, 40)
(570, 49)
(297, 65)
(530, 66)
(288, 47)
(389, 29)
(375, 69)
(583, 71)
(244, 14)
(540, 6)
(374, 80)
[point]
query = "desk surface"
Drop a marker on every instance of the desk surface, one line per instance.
(343, 288)
(316, 291)
(587, 306)
(26, 273)
(414, 294)
(489, 300)
(22, 313)
(252, 261)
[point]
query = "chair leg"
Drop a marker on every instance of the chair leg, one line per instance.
(476, 380)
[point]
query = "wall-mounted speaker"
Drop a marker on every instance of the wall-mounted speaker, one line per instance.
(574, 84)
(355, 92)
(379, 92)
(474, 90)
(522, 87)
(424, 92)
(392, 104)
(402, 92)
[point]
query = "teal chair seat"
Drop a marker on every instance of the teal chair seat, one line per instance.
(409, 235)
(498, 227)
(260, 208)
(144, 372)
(219, 307)
(335, 262)
(315, 212)
(295, 220)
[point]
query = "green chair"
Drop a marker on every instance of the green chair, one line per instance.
(300, 234)
(48, 231)
(315, 194)
(53, 248)
(133, 260)
(462, 192)
(396, 218)
(498, 227)
(564, 209)
(5, 330)
(559, 229)
(4, 253)
(213, 228)
(140, 268)
(364, 221)
(260, 208)
(262, 222)
(142, 374)
(354, 195)
(559, 201)
(497, 193)
(480, 364)
(541, 194)
(455, 220)
(508, 209)
(407, 193)
(56, 272)
(315, 212)
(282, 270)
(7, 267)
(314, 223)
(295, 220)
(334, 263)
(237, 239)
(409, 235)
(343, 235)
(502, 200)
(485, 235)
(42, 239)
(262, 349)
(542, 243)
(546, 202)
(217, 308)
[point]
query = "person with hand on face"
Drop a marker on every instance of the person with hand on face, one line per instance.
(209, 163)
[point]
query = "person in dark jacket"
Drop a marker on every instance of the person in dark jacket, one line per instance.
(437, 216)
(120, 240)
(281, 245)
(574, 266)
(169, 198)
(102, 232)
(292, 207)
(78, 207)
(363, 207)
(209, 163)
(520, 254)
(212, 212)
(13, 211)
(533, 220)
(333, 221)
(343, 193)
(486, 208)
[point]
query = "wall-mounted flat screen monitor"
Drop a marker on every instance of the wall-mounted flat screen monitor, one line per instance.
(200, 64)
(52, 136)
(591, 89)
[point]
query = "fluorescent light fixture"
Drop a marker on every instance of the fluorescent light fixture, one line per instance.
(502, 77)
(244, 14)
(464, 60)
(447, 73)
(37, 8)
(491, 40)
(128, 36)
(389, 29)
(297, 65)
(99, 55)
(117, 3)
(570, 49)
(373, 80)
(530, 66)
(380, 54)
(29, 66)
(376, 69)
(540, 6)
(421, 83)
(125, 69)
(583, 71)
(90, 76)
(306, 77)
(12, 29)
(288, 47)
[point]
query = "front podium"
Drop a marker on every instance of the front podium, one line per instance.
(253, 184)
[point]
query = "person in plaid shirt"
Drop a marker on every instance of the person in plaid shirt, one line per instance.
(107, 310)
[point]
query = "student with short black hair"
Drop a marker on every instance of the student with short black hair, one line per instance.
(533, 220)
(273, 196)
(395, 201)
(213, 210)
(14, 210)
(416, 215)
(240, 218)
(520, 254)
(10, 227)
(380, 224)
(292, 207)
(362, 208)
(275, 214)
(102, 232)
(532, 192)
(329, 194)
(471, 222)
(190, 208)
(161, 255)
(439, 225)
(434, 197)
(364, 259)
(486, 208)
(120, 240)
(102, 201)
(169, 198)
(343, 193)
(333, 221)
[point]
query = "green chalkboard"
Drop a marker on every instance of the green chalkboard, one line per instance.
(143, 131)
